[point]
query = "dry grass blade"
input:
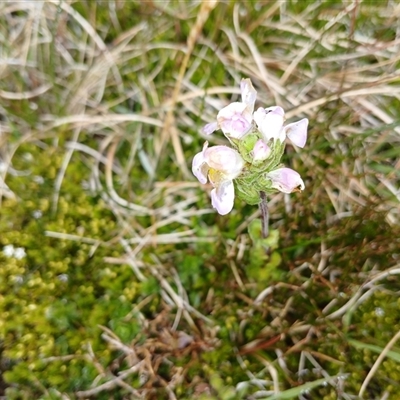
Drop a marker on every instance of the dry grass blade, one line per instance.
(169, 130)
(114, 382)
(377, 363)
(26, 95)
(92, 32)
(367, 285)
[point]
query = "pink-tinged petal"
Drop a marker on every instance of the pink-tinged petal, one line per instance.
(261, 151)
(277, 110)
(237, 127)
(259, 116)
(224, 159)
(234, 120)
(199, 165)
(210, 128)
(297, 132)
(222, 197)
(249, 94)
(286, 180)
(270, 123)
(198, 168)
(230, 110)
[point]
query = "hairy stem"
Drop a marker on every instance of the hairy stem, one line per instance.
(264, 215)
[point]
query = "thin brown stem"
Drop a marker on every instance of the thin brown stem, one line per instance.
(264, 215)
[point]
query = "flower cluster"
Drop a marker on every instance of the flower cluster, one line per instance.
(16, 252)
(253, 162)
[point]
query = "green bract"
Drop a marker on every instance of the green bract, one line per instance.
(253, 178)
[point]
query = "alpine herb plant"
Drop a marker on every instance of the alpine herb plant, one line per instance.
(251, 167)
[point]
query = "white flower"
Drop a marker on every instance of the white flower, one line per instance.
(11, 251)
(37, 214)
(286, 180)
(38, 179)
(63, 277)
(19, 253)
(270, 123)
(235, 120)
(8, 250)
(220, 165)
(18, 279)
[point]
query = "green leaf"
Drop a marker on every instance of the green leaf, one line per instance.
(298, 390)
(376, 349)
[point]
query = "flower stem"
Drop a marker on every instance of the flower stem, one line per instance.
(264, 215)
